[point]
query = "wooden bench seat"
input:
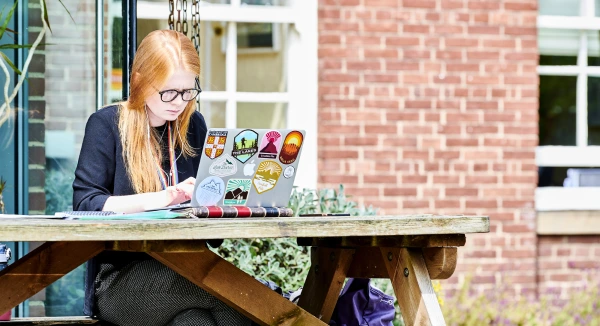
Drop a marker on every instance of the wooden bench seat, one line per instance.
(52, 321)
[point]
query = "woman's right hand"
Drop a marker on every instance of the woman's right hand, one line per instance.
(180, 193)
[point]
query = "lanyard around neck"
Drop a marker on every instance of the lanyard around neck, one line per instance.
(172, 179)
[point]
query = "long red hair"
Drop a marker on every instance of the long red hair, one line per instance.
(160, 53)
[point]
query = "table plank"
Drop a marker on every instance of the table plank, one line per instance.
(237, 228)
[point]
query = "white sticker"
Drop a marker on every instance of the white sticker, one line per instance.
(210, 191)
(223, 166)
(249, 169)
(289, 172)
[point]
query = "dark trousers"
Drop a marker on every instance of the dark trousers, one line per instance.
(147, 293)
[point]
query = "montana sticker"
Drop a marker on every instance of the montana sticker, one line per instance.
(270, 145)
(245, 145)
(266, 176)
(210, 191)
(223, 166)
(291, 147)
(215, 143)
(237, 192)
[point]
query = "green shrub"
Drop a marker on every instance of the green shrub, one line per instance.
(501, 307)
(281, 260)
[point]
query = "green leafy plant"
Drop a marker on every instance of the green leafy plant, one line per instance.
(281, 260)
(502, 307)
(58, 189)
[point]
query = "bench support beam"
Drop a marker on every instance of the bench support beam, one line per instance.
(41, 267)
(236, 288)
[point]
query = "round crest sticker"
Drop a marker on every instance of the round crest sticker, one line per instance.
(289, 172)
(210, 191)
(223, 166)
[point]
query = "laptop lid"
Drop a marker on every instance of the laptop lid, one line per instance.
(248, 167)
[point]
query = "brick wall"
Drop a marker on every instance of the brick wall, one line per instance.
(430, 106)
(567, 263)
(37, 111)
(71, 67)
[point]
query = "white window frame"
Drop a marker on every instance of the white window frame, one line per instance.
(581, 155)
(299, 18)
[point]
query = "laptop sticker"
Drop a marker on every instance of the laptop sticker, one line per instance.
(215, 143)
(223, 166)
(245, 145)
(249, 169)
(266, 176)
(291, 147)
(270, 145)
(289, 172)
(210, 191)
(237, 192)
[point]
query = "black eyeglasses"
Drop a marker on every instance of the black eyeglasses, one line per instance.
(187, 94)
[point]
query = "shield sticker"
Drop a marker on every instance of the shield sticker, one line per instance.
(237, 192)
(270, 145)
(215, 143)
(266, 176)
(291, 147)
(245, 145)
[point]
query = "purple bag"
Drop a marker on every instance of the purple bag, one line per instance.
(361, 304)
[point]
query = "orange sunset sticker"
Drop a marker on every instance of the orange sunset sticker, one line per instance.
(291, 147)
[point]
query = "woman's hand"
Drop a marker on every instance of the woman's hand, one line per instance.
(181, 192)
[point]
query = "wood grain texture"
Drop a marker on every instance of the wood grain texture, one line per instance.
(41, 267)
(440, 262)
(236, 288)
(412, 286)
(422, 241)
(368, 263)
(222, 228)
(325, 280)
(52, 321)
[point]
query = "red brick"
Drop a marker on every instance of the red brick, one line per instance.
(381, 27)
(483, 4)
(399, 191)
(415, 204)
(401, 41)
(427, 4)
(483, 30)
(419, 29)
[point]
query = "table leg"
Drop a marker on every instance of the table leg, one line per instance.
(412, 286)
(325, 279)
(41, 267)
(236, 288)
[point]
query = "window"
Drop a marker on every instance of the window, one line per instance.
(569, 127)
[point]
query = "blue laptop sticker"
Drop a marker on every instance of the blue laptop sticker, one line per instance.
(210, 191)
(237, 192)
(245, 145)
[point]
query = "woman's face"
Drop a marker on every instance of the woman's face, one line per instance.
(160, 112)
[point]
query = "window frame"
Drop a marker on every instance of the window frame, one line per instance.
(581, 155)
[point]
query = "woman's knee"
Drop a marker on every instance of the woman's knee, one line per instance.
(193, 317)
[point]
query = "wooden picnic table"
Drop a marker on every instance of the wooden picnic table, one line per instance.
(410, 250)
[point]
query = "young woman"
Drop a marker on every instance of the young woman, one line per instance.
(139, 154)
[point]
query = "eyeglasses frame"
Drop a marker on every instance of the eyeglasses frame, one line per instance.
(181, 92)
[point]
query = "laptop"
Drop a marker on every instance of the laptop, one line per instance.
(248, 167)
